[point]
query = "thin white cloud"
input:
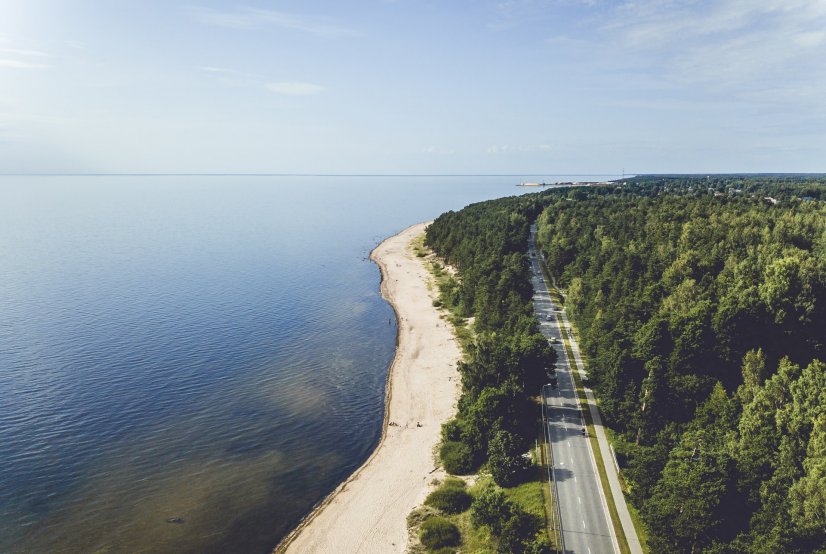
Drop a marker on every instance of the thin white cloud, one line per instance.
(12, 57)
(295, 88)
(734, 49)
(250, 18)
(21, 52)
(232, 77)
(76, 44)
(750, 30)
(18, 64)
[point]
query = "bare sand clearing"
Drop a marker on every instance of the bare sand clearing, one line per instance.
(367, 513)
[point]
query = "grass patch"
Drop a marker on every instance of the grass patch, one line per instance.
(445, 283)
(474, 539)
(529, 496)
(464, 335)
(548, 500)
(438, 532)
(642, 530)
(418, 247)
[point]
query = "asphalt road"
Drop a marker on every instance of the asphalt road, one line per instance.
(584, 515)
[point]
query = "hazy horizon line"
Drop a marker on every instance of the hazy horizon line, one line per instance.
(282, 174)
(299, 174)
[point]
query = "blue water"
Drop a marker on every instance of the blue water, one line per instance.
(210, 349)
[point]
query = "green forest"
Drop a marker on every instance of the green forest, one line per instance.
(506, 358)
(505, 363)
(700, 303)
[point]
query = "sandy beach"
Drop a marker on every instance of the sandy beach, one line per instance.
(367, 513)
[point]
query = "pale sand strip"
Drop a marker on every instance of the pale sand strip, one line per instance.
(367, 513)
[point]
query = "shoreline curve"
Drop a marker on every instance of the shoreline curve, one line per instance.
(367, 511)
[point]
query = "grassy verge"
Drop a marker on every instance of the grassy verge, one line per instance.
(548, 498)
(639, 526)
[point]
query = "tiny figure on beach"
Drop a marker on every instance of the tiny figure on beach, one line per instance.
(418, 424)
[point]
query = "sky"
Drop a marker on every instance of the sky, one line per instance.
(413, 86)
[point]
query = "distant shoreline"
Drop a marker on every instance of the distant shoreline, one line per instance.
(368, 511)
(569, 184)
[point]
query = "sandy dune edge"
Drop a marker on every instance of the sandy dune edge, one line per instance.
(367, 513)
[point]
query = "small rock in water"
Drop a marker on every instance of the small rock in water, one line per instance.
(177, 520)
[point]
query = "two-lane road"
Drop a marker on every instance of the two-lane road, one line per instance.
(586, 526)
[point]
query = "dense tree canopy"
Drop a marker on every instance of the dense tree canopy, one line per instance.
(701, 303)
(508, 359)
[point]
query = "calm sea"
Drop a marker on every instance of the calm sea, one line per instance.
(188, 364)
